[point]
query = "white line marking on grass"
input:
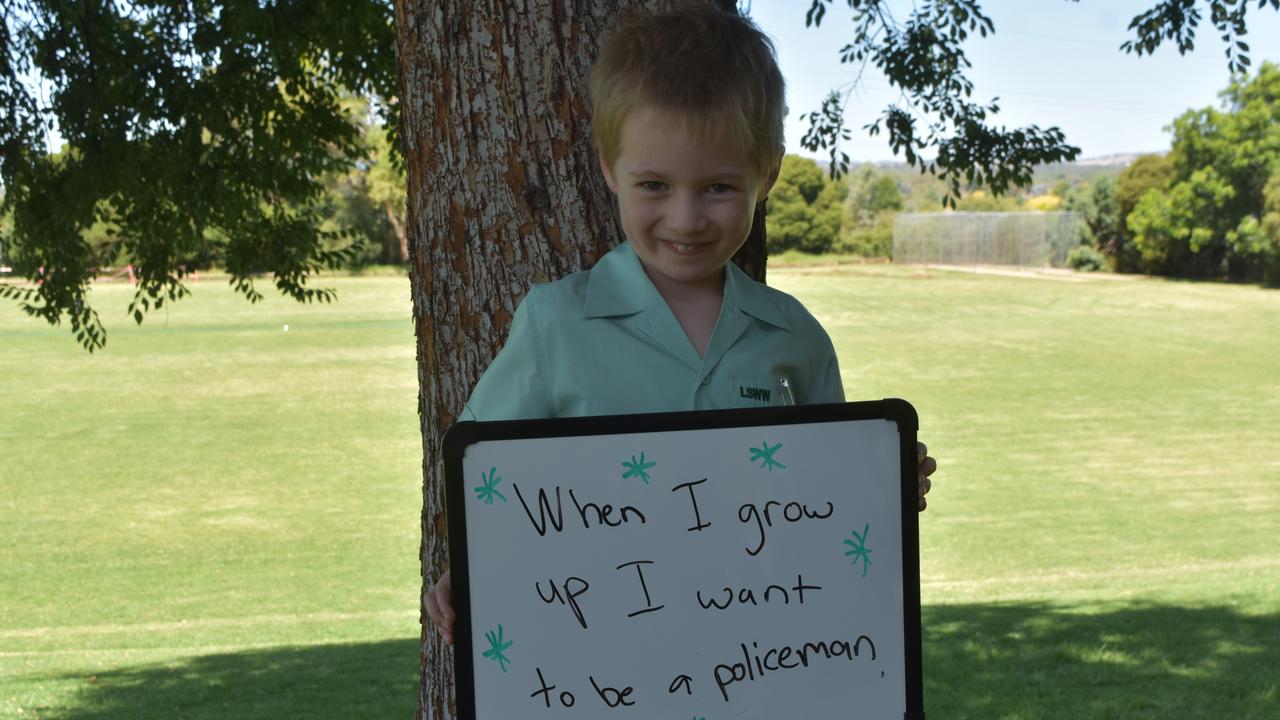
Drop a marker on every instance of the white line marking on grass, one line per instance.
(202, 623)
(1060, 274)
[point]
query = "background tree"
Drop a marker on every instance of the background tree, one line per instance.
(386, 186)
(366, 200)
(804, 208)
(872, 201)
(1269, 231)
(1200, 215)
(1178, 231)
(1147, 172)
(986, 200)
(6, 231)
(1096, 202)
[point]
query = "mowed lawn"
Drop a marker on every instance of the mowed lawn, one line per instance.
(216, 518)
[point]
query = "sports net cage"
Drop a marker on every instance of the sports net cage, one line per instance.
(1028, 239)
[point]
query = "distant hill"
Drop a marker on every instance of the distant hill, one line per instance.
(1043, 179)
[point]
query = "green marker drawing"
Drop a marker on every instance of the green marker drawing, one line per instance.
(860, 551)
(488, 491)
(497, 647)
(765, 456)
(637, 468)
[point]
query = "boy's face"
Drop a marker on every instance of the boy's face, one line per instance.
(686, 201)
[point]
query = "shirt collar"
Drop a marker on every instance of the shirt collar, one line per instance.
(617, 285)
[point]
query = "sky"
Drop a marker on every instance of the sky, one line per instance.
(1050, 63)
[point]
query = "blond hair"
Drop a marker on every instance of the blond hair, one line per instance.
(714, 70)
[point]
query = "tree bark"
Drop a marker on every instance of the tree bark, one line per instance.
(504, 191)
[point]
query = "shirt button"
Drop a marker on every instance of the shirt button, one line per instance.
(706, 381)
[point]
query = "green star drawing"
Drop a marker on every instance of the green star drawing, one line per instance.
(497, 647)
(637, 468)
(488, 491)
(860, 551)
(765, 456)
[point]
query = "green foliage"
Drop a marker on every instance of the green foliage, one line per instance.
(1271, 233)
(1200, 214)
(6, 230)
(1178, 20)
(1258, 240)
(1145, 173)
(1175, 231)
(387, 188)
(367, 200)
(1148, 172)
(869, 208)
(804, 208)
(983, 201)
(1085, 258)
(1096, 202)
(197, 128)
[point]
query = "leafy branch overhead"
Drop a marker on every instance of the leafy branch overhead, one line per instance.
(193, 129)
(936, 125)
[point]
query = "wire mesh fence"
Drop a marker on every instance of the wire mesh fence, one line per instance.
(1029, 239)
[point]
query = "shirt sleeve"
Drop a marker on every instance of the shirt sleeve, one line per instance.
(513, 387)
(827, 385)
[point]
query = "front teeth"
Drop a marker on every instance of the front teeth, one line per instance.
(683, 248)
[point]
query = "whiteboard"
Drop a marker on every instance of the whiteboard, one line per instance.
(754, 563)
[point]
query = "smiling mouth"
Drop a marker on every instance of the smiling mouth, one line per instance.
(680, 248)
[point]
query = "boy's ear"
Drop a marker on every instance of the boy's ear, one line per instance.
(608, 174)
(767, 185)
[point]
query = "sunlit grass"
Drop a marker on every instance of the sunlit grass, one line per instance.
(218, 518)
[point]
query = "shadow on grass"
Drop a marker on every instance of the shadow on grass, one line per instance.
(989, 662)
(1025, 661)
(368, 680)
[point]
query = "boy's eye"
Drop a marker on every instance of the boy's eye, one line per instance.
(653, 186)
(720, 188)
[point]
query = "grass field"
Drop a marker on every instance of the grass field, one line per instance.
(216, 518)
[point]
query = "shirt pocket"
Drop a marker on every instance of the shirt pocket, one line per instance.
(755, 391)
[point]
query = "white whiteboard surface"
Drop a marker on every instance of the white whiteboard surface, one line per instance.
(720, 572)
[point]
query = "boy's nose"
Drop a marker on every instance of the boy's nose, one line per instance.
(686, 216)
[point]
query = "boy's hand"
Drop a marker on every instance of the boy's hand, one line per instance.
(925, 468)
(440, 606)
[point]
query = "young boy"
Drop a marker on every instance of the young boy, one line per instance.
(687, 116)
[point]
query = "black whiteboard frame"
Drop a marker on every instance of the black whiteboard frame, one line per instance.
(464, 434)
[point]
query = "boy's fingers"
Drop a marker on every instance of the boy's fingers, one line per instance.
(928, 466)
(922, 451)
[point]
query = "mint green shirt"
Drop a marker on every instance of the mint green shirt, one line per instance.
(604, 342)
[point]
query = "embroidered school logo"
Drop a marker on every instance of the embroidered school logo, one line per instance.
(753, 393)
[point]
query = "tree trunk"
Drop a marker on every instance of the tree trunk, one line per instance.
(402, 232)
(504, 191)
